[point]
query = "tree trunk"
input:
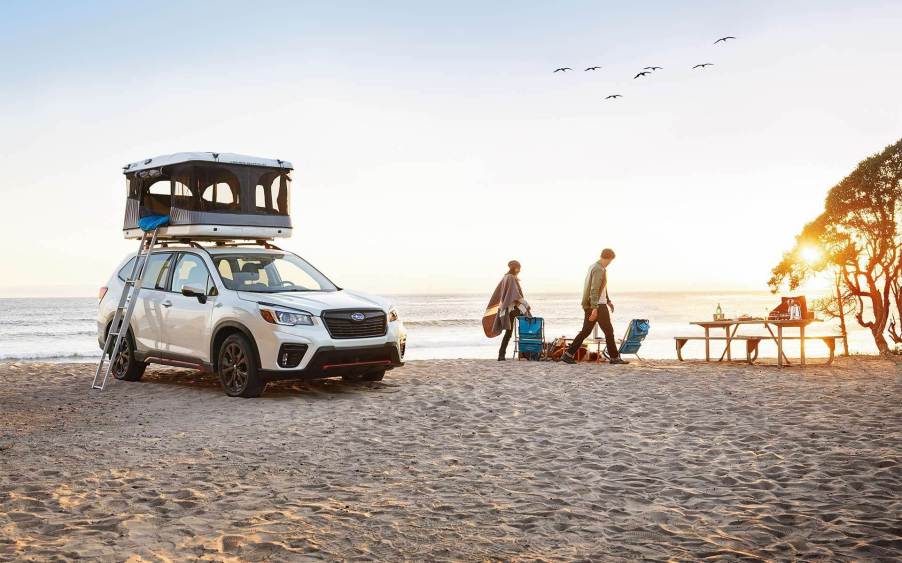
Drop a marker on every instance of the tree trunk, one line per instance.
(880, 340)
(880, 304)
(895, 332)
(842, 317)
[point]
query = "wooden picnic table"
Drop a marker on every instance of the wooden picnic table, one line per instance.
(731, 327)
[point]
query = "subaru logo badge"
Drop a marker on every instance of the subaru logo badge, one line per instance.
(358, 317)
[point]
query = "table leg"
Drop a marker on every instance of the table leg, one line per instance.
(802, 345)
(729, 340)
(726, 351)
(679, 348)
(774, 337)
(707, 345)
(831, 345)
(780, 345)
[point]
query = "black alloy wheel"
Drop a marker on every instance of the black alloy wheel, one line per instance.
(124, 366)
(237, 368)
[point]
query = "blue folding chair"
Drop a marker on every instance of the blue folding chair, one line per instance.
(636, 332)
(530, 338)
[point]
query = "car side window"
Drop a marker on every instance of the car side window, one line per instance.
(126, 270)
(225, 268)
(157, 271)
(191, 272)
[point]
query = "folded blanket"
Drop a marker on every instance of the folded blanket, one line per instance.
(507, 296)
(152, 222)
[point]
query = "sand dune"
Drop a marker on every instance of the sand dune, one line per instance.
(464, 459)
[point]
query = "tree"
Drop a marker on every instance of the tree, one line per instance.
(895, 331)
(859, 235)
(837, 306)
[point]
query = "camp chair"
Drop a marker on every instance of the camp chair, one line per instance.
(636, 332)
(529, 338)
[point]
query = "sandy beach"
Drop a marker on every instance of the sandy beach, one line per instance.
(457, 460)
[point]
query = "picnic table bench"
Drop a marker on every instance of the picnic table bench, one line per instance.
(731, 327)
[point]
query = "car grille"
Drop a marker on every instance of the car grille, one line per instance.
(341, 324)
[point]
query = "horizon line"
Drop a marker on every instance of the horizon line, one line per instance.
(474, 293)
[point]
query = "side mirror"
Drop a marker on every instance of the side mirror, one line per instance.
(188, 291)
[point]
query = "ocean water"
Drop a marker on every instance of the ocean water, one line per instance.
(439, 326)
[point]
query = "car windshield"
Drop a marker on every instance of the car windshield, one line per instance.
(269, 273)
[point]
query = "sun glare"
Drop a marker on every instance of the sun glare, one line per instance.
(817, 285)
(810, 254)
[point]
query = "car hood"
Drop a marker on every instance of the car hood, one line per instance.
(319, 301)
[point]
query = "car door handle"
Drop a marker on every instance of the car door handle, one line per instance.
(166, 303)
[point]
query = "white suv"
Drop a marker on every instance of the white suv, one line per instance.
(250, 315)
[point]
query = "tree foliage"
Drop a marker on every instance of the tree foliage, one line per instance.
(859, 235)
(830, 305)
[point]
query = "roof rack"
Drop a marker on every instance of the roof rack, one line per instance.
(218, 243)
(262, 242)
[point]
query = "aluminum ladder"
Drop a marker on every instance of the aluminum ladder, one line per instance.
(123, 314)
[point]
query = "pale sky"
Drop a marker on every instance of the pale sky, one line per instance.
(431, 141)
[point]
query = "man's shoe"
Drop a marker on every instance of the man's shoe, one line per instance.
(617, 360)
(568, 359)
(501, 358)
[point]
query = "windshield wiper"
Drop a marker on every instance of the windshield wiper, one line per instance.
(279, 290)
(287, 290)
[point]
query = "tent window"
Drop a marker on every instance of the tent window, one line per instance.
(160, 187)
(184, 196)
(272, 193)
(157, 196)
(262, 204)
(219, 193)
(219, 189)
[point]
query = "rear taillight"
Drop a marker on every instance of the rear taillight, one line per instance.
(101, 293)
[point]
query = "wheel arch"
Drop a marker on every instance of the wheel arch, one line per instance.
(106, 331)
(222, 331)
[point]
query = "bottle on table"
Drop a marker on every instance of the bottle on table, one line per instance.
(718, 313)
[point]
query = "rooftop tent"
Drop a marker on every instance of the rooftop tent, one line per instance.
(210, 196)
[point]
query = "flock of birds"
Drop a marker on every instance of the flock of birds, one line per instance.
(645, 70)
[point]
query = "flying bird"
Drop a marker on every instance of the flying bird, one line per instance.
(652, 68)
(562, 69)
(724, 39)
(612, 96)
(643, 73)
(703, 65)
(592, 68)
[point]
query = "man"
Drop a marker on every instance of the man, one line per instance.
(595, 305)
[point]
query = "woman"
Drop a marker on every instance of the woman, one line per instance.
(506, 304)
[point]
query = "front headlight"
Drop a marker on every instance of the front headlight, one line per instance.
(285, 317)
(392, 315)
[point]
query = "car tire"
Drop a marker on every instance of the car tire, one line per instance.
(125, 367)
(237, 368)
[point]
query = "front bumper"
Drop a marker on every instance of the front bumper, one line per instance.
(331, 361)
(271, 338)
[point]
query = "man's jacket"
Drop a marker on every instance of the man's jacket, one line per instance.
(596, 283)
